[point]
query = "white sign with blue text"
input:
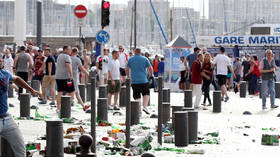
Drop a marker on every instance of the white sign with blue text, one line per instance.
(252, 40)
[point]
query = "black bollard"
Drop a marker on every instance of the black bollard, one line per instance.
(88, 91)
(188, 98)
(277, 89)
(149, 102)
(35, 84)
(188, 84)
(25, 105)
(103, 93)
(217, 103)
(160, 97)
(122, 101)
(243, 89)
(135, 112)
(85, 142)
(65, 111)
(91, 75)
(6, 149)
(127, 115)
(102, 109)
(55, 144)
(165, 112)
(260, 89)
(82, 91)
(10, 92)
(93, 114)
(174, 109)
(166, 95)
(192, 125)
(181, 130)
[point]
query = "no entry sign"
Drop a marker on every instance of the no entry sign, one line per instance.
(80, 11)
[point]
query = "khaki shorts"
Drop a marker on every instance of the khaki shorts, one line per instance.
(114, 89)
(48, 80)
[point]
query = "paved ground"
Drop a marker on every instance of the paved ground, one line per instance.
(230, 125)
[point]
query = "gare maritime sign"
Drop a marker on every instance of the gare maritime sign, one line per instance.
(257, 40)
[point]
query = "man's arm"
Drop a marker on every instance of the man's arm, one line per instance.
(127, 71)
(30, 62)
(83, 70)
(69, 69)
(21, 83)
(233, 74)
(150, 69)
(15, 63)
(49, 68)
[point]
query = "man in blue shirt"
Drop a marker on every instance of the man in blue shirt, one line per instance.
(161, 67)
(138, 65)
(8, 128)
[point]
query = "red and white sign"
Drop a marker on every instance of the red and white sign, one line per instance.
(80, 11)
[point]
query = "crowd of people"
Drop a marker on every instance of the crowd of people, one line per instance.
(201, 69)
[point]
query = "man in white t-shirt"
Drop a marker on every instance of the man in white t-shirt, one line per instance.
(222, 64)
(114, 79)
(123, 62)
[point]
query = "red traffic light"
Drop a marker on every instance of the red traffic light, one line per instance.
(106, 5)
(100, 59)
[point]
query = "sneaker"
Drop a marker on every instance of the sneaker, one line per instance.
(274, 106)
(116, 108)
(86, 107)
(264, 107)
(222, 99)
(226, 99)
(43, 102)
(52, 103)
(209, 105)
(203, 104)
(40, 99)
(110, 107)
(146, 110)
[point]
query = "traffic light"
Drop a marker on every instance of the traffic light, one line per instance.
(100, 63)
(105, 13)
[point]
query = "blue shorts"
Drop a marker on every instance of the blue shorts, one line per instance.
(237, 78)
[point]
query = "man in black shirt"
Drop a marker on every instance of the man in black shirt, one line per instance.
(246, 67)
(49, 78)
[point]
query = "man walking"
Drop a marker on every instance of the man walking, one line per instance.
(9, 130)
(267, 68)
(76, 64)
(114, 79)
(22, 65)
(139, 65)
(49, 78)
(222, 64)
(64, 75)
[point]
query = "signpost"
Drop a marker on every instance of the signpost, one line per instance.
(80, 12)
(102, 37)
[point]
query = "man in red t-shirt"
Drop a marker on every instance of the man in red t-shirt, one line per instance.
(196, 78)
(38, 72)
